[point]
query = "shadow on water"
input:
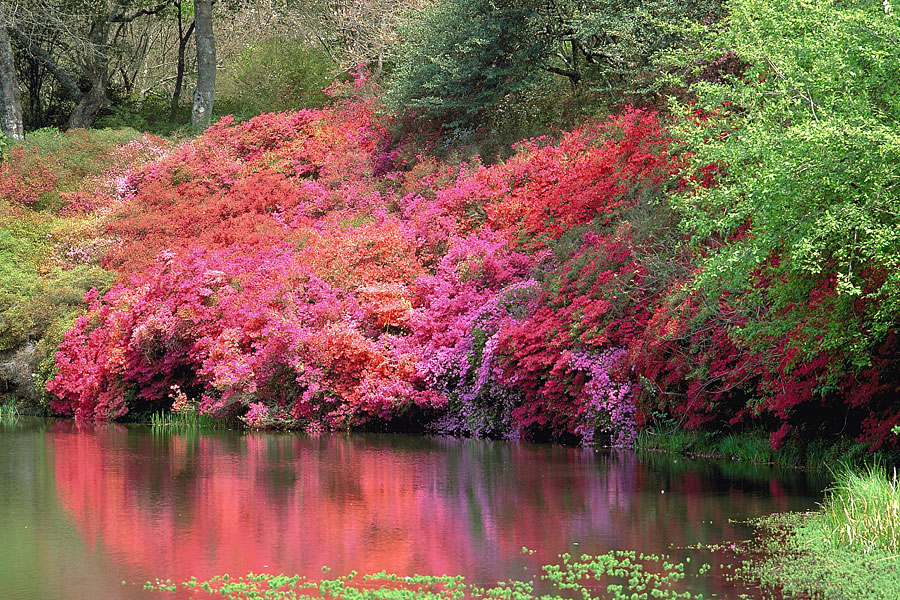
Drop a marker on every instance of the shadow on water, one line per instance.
(87, 506)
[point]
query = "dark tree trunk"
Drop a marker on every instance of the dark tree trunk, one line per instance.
(91, 104)
(183, 39)
(201, 115)
(96, 68)
(10, 103)
(68, 85)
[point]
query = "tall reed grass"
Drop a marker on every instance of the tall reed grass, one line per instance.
(192, 419)
(861, 511)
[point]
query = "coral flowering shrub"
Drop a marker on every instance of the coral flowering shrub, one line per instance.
(274, 270)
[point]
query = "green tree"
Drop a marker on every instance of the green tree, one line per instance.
(457, 59)
(808, 147)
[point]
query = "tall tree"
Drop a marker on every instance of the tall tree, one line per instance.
(10, 104)
(201, 114)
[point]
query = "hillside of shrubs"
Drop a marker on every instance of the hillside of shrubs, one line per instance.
(720, 253)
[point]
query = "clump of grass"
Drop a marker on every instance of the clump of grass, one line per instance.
(849, 548)
(8, 411)
(671, 439)
(793, 559)
(751, 447)
(745, 447)
(185, 419)
(862, 511)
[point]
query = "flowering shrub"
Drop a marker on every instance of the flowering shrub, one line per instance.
(26, 176)
(266, 268)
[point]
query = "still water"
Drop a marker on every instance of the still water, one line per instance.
(84, 508)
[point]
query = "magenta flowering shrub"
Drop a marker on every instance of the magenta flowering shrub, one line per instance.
(610, 403)
(277, 271)
(257, 416)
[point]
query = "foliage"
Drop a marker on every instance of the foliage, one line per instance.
(805, 203)
(268, 272)
(791, 555)
(183, 415)
(151, 114)
(474, 64)
(793, 161)
(309, 270)
(457, 57)
(273, 75)
(50, 163)
(49, 239)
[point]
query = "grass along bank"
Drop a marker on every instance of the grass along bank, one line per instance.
(754, 446)
(849, 548)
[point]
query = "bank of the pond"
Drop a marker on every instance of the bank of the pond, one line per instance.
(751, 447)
(849, 548)
(754, 447)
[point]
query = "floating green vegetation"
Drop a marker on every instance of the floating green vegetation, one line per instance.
(847, 549)
(617, 575)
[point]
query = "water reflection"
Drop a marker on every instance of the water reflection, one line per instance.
(128, 503)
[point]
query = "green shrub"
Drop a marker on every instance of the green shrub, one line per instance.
(514, 66)
(806, 201)
(150, 114)
(274, 75)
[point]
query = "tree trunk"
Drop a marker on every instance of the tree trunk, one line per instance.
(41, 56)
(96, 68)
(201, 115)
(90, 105)
(183, 39)
(10, 103)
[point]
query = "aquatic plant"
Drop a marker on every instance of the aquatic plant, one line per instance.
(792, 556)
(183, 420)
(616, 575)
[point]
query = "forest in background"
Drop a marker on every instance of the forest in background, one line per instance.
(698, 231)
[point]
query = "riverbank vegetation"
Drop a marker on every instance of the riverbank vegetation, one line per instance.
(699, 229)
(846, 549)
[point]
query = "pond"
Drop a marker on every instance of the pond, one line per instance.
(94, 511)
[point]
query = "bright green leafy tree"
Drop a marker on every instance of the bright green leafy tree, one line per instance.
(805, 216)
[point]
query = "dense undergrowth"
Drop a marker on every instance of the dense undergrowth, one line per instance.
(729, 266)
(54, 193)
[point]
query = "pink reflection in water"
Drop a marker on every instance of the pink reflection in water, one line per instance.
(182, 505)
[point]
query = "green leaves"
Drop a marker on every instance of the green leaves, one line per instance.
(458, 57)
(461, 61)
(808, 196)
